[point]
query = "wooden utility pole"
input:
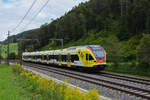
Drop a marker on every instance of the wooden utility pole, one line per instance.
(8, 48)
(0, 53)
(20, 49)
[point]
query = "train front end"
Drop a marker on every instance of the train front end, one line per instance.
(99, 57)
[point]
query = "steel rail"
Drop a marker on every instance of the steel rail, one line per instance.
(126, 78)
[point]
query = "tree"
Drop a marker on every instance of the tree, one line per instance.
(112, 46)
(143, 50)
(12, 56)
(148, 24)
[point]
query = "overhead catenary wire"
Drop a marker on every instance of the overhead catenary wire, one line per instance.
(35, 15)
(21, 21)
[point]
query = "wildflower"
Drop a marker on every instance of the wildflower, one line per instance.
(33, 77)
(22, 74)
(68, 94)
(93, 94)
(36, 82)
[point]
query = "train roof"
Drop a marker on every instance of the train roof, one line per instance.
(63, 50)
(75, 47)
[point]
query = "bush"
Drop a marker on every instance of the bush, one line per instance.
(12, 56)
(17, 69)
(143, 50)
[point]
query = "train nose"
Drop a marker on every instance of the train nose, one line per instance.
(100, 60)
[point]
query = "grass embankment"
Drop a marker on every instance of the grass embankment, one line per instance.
(12, 49)
(19, 84)
(47, 89)
(10, 89)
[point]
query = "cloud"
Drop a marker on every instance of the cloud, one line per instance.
(42, 15)
(11, 12)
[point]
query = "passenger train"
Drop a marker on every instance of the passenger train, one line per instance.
(88, 56)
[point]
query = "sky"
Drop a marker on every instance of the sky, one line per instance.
(12, 11)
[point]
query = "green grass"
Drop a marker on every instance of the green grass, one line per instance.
(10, 89)
(13, 48)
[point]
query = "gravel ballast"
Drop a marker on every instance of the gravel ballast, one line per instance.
(106, 92)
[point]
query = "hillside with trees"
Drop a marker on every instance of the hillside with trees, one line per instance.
(122, 28)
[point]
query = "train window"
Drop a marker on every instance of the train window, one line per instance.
(38, 57)
(49, 57)
(90, 57)
(54, 56)
(87, 57)
(57, 57)
(72, 58)
(64, 58)
(76, 58)
(45, 57)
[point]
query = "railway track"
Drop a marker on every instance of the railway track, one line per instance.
(126, 78)
(131, 90)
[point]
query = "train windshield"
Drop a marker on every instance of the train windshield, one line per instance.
(98, 52)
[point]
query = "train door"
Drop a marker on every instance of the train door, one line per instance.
(82, 55)
(35, 59)
(47, 59)
(89, 59)
(68, 60)
(32, 57)
(42, 59)
(59, 63)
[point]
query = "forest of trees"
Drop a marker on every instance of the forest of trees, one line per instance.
(122, 28)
